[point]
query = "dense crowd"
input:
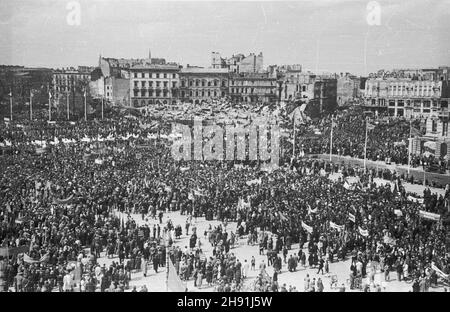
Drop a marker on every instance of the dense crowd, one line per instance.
(68, 202)
(388, 141)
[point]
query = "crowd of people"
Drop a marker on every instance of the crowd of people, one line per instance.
(66, 190)
(387, 141)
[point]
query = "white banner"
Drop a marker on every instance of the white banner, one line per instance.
(363, 232)
(307, 227)
(429, 215)
(337, 227)
(352, 217)
(438, 271)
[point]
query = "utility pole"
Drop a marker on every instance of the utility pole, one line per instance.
(49, 104)
(10, 104)
(31, 105)
(68, 94)
(85, 106)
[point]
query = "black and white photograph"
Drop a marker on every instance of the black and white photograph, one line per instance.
(224, 147)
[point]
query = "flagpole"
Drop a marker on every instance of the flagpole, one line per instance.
(10, 104)
(365, 149)
(409, 146)
(67, 106)
(31, 105)
(49, 105)
(85, 108)
(167, 265)
(331, 138)
(293, 139)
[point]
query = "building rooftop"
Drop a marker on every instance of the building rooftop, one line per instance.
(195, 70)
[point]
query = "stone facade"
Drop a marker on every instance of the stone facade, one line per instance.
(406, 97)
(253, 88)
(154, 84)
(200, 84)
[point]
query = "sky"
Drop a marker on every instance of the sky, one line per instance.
(322, 35)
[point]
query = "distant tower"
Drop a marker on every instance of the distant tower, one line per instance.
(150, 55)
(99, 60)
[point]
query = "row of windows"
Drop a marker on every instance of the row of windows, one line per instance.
(155, 75)
(203, 93)
(407, 103)
(157, 93)
(203, 83)
(250, 90)
(151, 84)
(252, 83)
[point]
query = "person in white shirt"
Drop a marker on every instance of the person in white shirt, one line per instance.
(67, 282)
(245, 269)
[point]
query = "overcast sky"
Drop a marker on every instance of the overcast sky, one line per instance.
(321, 35)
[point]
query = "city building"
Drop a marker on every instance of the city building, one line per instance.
(348, 89)
(154, 84)
(324, 100)
(253, 88)
(68, 79)
(238, 63)
(200, 84)
(407, 97)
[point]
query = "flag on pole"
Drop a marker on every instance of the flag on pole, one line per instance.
(10, 93)
(352, 217)
(370, 126)
(307, 227)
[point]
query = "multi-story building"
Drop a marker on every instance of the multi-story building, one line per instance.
(407, 97)
(68, 79)
(348, 89)
(200, 84)
(324, 99)
(238, 63)
(154, 84)
(253, 88)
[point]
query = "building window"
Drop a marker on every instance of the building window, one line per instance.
(433, 125)
(136, 84)
(157, 75)
(174, 76)
(197, 83)
(174, 84)
(191, 83)
(135, 75)
(400, 103)
(143, 84)
(426, 104)
(183, 83)
(165, 84)
(190, 93)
